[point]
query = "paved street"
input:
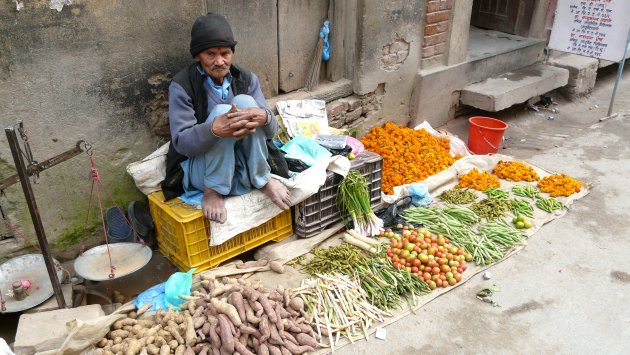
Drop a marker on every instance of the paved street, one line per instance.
(567, 292)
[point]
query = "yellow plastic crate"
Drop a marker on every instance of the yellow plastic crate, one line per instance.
(183, 235)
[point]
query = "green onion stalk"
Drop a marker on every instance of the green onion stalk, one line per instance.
(353, 197)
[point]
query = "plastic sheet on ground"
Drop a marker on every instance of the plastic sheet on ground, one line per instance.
(83, 334)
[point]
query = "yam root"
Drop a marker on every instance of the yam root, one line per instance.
(145, 307)
(266, 305)
(250, 330)
(153, 349)
(274, 337)
(190, 335)
(273, 350)
(118, 333)
(236, 300)
(227, 309)
(165, 350)
(205, 328)
(305, 339)
(262, 262)
(263, 349)
(242, 349)
(225, 333)
(189, 351)
(119, 324)
(297, 350)
(285, 351)
(180, 350)
(215, 340)
(175, 333)
(276, 266)
(264, 329)
(297, 304)
(198, 322)
(249, 314)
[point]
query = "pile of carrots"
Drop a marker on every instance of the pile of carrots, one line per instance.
(409, 155)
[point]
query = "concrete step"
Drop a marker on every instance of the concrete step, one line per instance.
(491, 53)
(498, 93)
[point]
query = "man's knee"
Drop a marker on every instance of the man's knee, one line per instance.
(218, 110)
(244, 101)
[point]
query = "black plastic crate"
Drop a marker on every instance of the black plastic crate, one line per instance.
(317, 212)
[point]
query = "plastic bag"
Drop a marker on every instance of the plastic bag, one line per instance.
(420, 195)
(154, 296)
(306, 150)
(330, 141)
(177, 285)
(357, 146)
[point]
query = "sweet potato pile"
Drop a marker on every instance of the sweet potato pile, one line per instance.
(222, 317)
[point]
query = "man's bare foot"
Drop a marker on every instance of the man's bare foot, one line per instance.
(213, 207)
(278, 193)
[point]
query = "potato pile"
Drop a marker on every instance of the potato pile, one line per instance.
(222, 317)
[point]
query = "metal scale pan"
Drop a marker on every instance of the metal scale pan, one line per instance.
(127, 258)
(27, 267)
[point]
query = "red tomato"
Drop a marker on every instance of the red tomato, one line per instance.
(414, 270)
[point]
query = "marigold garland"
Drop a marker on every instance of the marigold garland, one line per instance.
(477, 180)
(559, 185)
(409, 155)
(515, 171)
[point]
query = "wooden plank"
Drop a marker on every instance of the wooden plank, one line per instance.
(255, 29)
(299, 22)
(350, 37)
(337, 17)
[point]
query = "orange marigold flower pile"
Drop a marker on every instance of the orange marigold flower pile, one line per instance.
(515, 171)
(559, 185)
(409, 155)
(477, 180)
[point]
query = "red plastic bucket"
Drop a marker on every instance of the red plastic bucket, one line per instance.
(485, 134)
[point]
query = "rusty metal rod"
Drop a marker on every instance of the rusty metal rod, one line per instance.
(32, 207)
(36, 169)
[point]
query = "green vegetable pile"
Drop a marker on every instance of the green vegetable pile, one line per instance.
(458, 196)
(491, 208)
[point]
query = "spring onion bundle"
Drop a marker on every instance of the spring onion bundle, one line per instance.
(353, 196)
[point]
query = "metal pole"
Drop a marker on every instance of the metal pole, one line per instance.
(32, 207)
(619, 72)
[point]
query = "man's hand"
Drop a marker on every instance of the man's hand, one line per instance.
(238, 123)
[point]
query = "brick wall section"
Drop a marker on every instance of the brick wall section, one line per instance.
(437, 23)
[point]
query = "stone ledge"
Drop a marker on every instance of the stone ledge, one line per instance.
(498, 93)
(327, 91)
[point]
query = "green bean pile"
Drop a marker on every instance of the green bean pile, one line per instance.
(522, 207)
(342, 259)
(490, 208)
(526, 191)
(497, 193)
(387, 286)
(501, 233)
(549, 204)
(458, 196)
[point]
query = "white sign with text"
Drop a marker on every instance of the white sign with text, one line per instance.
(593, 28)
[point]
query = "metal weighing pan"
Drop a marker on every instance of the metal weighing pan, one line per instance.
(27, 267)
(126, 257)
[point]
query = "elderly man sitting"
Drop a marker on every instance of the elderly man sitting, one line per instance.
(219, 124)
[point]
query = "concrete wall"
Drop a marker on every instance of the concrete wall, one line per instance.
(388, 56)
(96, 70)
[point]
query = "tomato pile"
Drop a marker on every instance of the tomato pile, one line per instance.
(430, 257)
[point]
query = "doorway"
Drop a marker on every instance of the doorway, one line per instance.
(509, 16)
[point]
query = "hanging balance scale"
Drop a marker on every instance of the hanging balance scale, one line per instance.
(39, 274)
(25, 282)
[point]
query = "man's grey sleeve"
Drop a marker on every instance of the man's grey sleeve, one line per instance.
(189, 138)
(271, 128)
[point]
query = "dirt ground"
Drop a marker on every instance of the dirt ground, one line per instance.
(567, 292)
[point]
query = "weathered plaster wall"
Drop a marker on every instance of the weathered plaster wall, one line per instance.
(96, 70)
(386, 28)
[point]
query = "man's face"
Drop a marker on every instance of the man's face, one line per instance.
(216, 62)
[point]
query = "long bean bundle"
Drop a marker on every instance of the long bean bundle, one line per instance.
(339, 307)
(353, 196)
